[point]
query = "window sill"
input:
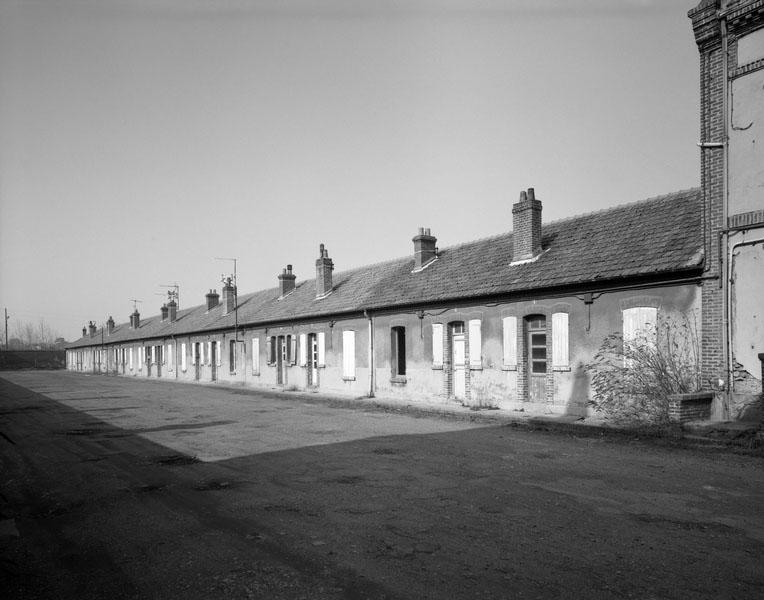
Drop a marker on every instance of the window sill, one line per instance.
(476, 367)
(345, 378)
(401, 379)
(437, 367)
(561, 369)
(509, 368)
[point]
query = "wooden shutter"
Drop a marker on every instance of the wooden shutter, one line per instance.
(509, 356)
(219, 356)
(560, 340)
(292, 349)
(303, 349)
(183, 356)
(321, 349)
(255, 356)
(476, 343)
(437, 345)
(348, 353)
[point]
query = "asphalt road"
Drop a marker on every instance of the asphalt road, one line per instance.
(132, 489)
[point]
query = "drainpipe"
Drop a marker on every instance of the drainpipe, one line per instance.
(726, 294)
(371, 353)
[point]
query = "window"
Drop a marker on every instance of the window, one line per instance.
(509, 356)
(560, 359)
(321, 349)
(232, 356)
(476, 359)
(271, 350)
(398, 351)
(348, 354)
(639, 328)
(537, 344)
(183, 356)
(256, 356)
(437, 345)
(303, 349)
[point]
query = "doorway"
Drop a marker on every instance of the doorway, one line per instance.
(159, 360)
(312, 360)
(458, 363)
(537, 357)
(213, 361)
(197, 361)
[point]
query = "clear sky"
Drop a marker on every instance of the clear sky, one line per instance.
(140, 139)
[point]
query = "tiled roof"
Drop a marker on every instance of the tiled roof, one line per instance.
(655, 237)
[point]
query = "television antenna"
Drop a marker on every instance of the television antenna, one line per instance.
(225, 280)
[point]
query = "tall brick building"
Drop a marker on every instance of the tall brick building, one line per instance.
(730, 38)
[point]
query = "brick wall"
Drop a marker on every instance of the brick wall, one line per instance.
(690, 407)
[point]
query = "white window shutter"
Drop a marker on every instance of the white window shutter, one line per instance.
(292, 349)
(560, 339)
(130, 358)
(303, 349)
(183, 356)
(476, 343)
(321, 348)
(437, 344)
(256, 356)
(510, 342)
(219, 356)
(348, 353)
(269, 351)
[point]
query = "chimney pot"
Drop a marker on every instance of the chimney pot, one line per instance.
(228, 296)
(110, 325)
(424, 248)
(324, 268)
(172, 309)
(526, 228)
(286, 281)
(212, 299)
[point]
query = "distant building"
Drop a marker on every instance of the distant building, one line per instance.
(509, 321)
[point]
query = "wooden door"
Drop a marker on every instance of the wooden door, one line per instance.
(537, 359)
(459, 366)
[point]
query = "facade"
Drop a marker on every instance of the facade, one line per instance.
(508, 321)
(730, 38)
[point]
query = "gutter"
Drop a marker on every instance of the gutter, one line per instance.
(372, 367)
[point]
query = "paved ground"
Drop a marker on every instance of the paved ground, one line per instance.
(290, 497)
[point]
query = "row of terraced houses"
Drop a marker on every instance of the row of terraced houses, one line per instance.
(509, 321)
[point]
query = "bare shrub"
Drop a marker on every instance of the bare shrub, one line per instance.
(632, 381)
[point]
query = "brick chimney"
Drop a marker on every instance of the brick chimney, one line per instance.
(212, 299)
(109, 325)
(286, 281)
(172, 309)
(424, 248)
(84, 331)
(92, 328)
(324, 268)
(526, 230)
(229, 296)
(135, 319)
(164, 310)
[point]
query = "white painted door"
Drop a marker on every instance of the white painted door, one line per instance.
(458, 366)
